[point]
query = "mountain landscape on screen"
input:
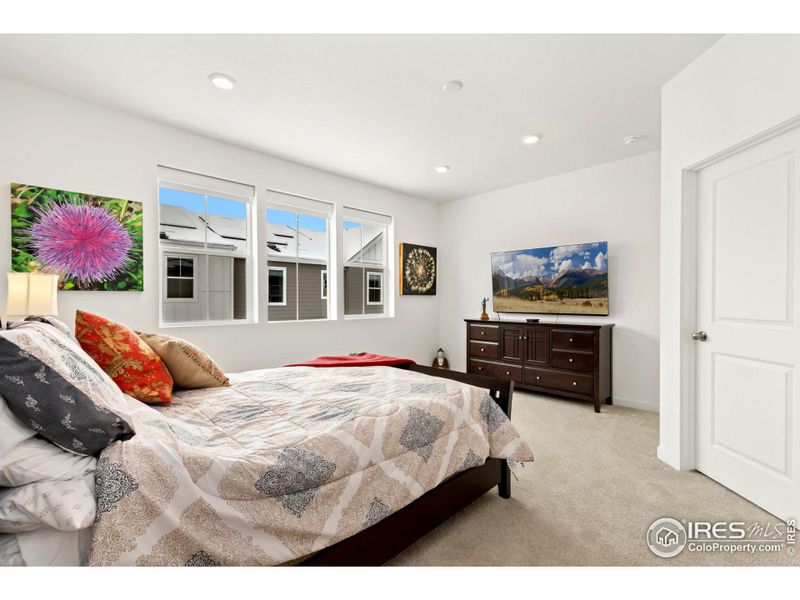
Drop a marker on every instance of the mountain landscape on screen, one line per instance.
(570, 279)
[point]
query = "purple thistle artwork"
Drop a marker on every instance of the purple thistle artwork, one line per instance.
(80, 241)
(94, 243)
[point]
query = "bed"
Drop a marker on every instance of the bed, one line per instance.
(295, 465)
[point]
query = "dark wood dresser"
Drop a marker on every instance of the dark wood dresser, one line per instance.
(564, 359)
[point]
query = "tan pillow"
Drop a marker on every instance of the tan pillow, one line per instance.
(190, 367)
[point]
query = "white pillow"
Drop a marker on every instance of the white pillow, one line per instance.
(25, 458)
(64, 505)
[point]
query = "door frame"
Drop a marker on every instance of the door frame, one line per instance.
(687, 451)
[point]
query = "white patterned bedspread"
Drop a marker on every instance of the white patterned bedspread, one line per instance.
(285, 462)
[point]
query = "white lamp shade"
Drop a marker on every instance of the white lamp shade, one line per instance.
(32, 294)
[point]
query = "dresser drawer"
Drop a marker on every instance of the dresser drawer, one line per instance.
(497, 370)
(513, 372)
(574, 361)
(571, 339)
(566, 382)
(484, 333)
(478, 367)
(483, 349)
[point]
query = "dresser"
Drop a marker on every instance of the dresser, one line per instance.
(572, 360)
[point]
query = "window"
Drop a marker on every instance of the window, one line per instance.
(180, 281)
(277, 286)
(374, 288)
(204, 242)
(298, 244)
(365, 244)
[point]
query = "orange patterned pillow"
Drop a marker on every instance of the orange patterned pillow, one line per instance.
(132, 364)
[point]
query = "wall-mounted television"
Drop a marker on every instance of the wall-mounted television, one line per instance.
(566, 280)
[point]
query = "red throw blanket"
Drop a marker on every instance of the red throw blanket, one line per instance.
(363, 359)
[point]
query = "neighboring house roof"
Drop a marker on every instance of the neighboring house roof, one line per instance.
(352, 246)
(282, 241)
(182, 227)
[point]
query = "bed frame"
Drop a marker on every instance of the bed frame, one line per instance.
(377, 544)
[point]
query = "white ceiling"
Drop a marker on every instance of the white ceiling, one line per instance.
(372, 106)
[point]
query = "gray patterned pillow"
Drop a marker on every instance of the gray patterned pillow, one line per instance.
(55, 388)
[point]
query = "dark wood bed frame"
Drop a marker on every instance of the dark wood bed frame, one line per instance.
(382, 541)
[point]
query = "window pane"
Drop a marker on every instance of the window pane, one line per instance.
(375, 295)
(227, 225)
(204, 281)
(372, 251)
(173, 267)
(181, 217)
(173, 288)
(351, 242)
(312, 239)
(186, 288)
(281, 233)
(187, 267)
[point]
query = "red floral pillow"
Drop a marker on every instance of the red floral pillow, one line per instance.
(128, 360)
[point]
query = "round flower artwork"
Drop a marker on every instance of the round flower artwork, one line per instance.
(92, 242)
(418, 269)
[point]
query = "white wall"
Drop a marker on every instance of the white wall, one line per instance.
(618, 202)
(54, 141)
(740, 87)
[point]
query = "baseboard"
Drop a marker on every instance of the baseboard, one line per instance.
(649, 407)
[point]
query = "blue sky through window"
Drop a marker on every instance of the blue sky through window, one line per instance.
(219, 207)
(289, 218)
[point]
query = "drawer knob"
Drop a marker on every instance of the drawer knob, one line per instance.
(484, 333)
(570, 339)
(480, 368)
(570, 360)
(520, 337)
(538, 378)
(508, 372)
(574, 383)
(481, 349)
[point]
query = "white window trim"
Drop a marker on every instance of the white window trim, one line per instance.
(248, 197)
(284, 292)
(367, 288)
(195, 297)
(303, 205)
(323, 284)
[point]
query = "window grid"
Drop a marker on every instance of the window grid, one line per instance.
(374, 288)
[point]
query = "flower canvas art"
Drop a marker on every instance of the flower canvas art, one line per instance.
(92, 242)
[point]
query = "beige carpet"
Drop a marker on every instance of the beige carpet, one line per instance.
(595, 488)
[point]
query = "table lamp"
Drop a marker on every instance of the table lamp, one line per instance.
(32, 295)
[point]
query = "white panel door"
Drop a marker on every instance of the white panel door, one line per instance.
(748, 403)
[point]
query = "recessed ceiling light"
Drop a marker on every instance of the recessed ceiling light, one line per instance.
(631, 139)
(222, 81)
(441, 168)
(453, 86)
(531, 139)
